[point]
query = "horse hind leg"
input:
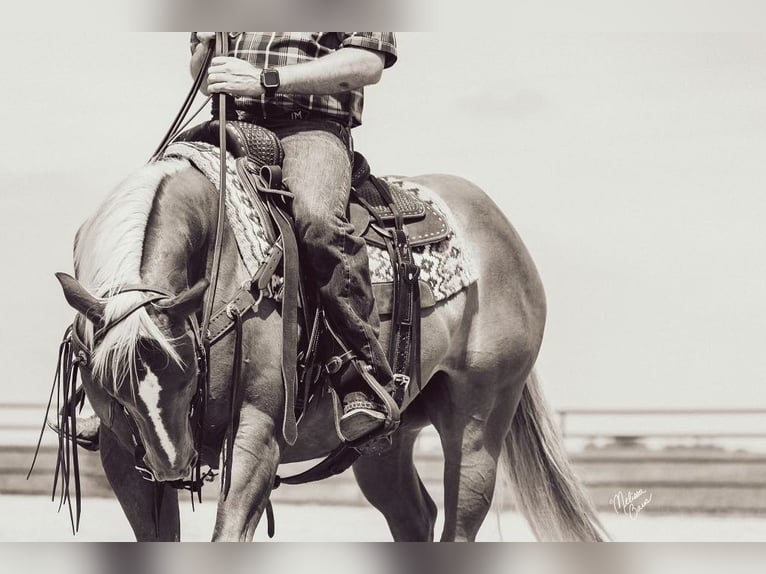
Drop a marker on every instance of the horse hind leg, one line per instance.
(472, 416)
(390, 482)
(138, 496)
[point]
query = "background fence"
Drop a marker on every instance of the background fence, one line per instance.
(688, 460)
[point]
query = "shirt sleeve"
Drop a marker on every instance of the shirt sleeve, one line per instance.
(383, 42)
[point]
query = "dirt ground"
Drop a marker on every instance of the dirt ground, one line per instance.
(36, 519)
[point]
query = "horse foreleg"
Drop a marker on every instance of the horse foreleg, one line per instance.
(391, 484)
(472, 418)
(138, 497)
(255, 461)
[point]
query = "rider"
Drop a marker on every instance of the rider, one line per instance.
(308, 88)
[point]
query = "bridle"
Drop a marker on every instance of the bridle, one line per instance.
(83, 354)
(74, 355)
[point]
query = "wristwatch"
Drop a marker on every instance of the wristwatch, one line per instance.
(270, 81)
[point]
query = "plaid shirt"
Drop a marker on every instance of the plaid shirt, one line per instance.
(275, 49)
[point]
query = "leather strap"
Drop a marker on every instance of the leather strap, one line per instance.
(264, 184)
(311, 367)
(335, 463)
(222, 43)
(159, 293)
(289, 321)
(144, 289)
(234, 407)
(404, 348)
(221, 322)
(136, 306)
(67, 461)
(264, 274)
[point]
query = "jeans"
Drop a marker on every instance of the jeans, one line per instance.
(317, 170)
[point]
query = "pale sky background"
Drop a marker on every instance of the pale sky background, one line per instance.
(627, 148)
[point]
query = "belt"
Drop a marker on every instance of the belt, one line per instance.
(265, 117)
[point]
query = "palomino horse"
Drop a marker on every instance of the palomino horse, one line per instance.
(478, 352)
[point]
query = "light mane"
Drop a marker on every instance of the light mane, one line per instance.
(107, 256)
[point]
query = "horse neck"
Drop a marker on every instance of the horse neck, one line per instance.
(178, 232)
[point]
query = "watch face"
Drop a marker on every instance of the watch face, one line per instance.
(270, 79)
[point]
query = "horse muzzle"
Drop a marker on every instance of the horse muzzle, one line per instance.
(168, 473)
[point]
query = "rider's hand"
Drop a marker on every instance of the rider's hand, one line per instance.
(234, 76)
(198, 57)
(206, 37)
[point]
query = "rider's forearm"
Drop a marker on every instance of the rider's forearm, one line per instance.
(341, 71)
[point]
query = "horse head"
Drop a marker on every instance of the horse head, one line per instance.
(144, 346)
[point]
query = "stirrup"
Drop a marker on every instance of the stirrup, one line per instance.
(390, 408)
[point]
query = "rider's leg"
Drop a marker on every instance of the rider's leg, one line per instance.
(317, 169)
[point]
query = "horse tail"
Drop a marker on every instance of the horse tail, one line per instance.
(547, 491)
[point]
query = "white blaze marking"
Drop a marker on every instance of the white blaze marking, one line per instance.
(149, 391)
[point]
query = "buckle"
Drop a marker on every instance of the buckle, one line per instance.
(409, 272)
(334, 365)
(209, 475)
(81, 359)
(146, 474)
(231, 311)
(401, 380)
(201, 360)
(401, 238)
(276, 288)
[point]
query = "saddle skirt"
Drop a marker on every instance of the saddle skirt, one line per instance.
(440, 253)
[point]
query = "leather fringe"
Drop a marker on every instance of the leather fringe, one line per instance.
(67, 471)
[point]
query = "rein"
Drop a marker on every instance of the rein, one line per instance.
(222, 49)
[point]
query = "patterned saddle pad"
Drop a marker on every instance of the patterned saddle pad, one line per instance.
(445, 266)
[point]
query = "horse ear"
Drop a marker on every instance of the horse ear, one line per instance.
(186, 302)
(80, 300)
